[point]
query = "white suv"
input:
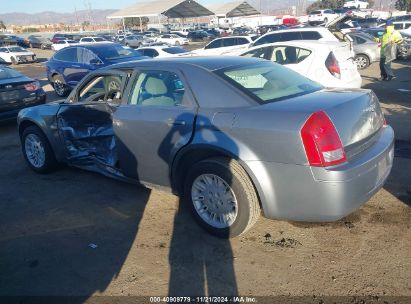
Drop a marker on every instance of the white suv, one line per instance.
(223, 45)
(314, 33)
(321, 16)
(356, 4)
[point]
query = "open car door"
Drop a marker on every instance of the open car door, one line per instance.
(85, 121)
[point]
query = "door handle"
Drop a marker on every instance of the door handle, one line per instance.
(172, 122)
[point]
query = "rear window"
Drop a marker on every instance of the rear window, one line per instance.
(268, 82)
(174, 50)
(6, 73)
(268, 38)
(315, 13)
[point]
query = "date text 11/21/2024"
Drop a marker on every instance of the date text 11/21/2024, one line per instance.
(236, 299)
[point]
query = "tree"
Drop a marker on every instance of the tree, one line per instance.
(403, 5)
(2, 25)
(135, 22)
(332, 4)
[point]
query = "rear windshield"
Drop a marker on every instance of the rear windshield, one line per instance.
(174, 50)
(269, 82)
(6, 73)
(315, 12)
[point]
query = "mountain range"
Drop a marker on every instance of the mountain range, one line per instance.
(99, 16)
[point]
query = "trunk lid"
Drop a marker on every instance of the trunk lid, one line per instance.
(356, 114)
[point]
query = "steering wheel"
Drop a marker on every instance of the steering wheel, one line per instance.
(111, 95)
(100, 96)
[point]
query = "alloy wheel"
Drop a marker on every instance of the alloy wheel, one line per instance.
(34, 149)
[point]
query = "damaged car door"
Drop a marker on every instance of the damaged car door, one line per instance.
(154, 124)
(85, 121)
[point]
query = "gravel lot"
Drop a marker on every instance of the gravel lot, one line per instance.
(146, 243)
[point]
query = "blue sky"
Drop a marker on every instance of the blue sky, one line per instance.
(35, 6)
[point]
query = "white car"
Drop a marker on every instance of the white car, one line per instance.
(16, 55)
(356, 4)
(183, 32)
(162, 51)
(322, 16)
(328, 63)
(61, 44)
(93, 40)
(401, 26)
(223, 45)
(172, 39)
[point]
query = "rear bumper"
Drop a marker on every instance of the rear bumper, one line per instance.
(303, 193)
(12, 113)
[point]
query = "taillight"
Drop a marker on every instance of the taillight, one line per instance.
(321, 141)
(332, 65)
(33, 86)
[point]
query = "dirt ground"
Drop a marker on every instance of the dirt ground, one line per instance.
(75, 233)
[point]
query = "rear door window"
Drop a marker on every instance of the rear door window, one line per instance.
(241, 41)
(68, 55)
(311, 35)
(270, 38)
(291, 36)
(214, 44)
(229, 42)
(262, 52)
(289, 54)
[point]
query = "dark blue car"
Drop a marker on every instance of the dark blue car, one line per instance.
(69, 65)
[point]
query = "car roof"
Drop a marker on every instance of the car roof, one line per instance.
(212, 63)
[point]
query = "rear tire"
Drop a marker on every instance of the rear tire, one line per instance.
(325, 20)
(37, 151)
(362, 61)
(14, 61)
(222, 197)
(60, 86)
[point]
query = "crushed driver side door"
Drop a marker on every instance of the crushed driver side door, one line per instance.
(85, 121)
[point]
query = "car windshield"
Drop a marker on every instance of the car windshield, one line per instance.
(174, 50)
(269, 82)
(6, 73)
(115, 52)
(17, 49)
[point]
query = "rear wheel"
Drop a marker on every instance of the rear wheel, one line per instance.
(362, 61)
(60, 86)
(222, 197)
(325, 20)
(177, 43)
(14, 61)
(37, 150)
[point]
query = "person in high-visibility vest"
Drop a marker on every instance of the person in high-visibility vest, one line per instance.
(389, 40)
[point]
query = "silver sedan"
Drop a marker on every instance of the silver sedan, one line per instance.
(230, 135)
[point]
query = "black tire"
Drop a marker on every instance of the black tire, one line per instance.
(50, 163)
(362, 61)
(14, 61)
(325, 20)
(236, 177)
(60, 86)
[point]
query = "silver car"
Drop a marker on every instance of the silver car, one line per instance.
(366, 49)
(230, 135)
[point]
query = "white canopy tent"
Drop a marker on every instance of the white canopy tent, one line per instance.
(233, 9)
(169, 8)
